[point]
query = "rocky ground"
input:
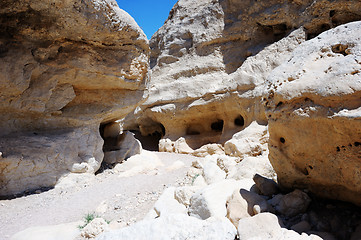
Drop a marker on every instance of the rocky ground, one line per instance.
(156, 195)
(124, 199)
(279, 103)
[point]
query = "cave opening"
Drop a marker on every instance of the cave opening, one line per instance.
(239, 121)
(217, 126)
(151, 140)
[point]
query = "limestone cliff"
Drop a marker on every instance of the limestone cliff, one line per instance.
(66, 67)
(314, 112)
(208, 66)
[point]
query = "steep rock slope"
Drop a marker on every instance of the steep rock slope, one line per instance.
(67, 66)
(314, 112)
(204, 84)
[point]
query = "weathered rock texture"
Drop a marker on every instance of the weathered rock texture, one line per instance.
(209, 60)
(314, 112)
(66, 67)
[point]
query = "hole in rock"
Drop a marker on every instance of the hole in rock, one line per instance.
(279, 104)
(150, 140)
(310, 167)
(239, 121)
(338, 149)
(357, 144)
(282, 140)
(192, 132)
(194, 129)
(217, 126)
(340, 48)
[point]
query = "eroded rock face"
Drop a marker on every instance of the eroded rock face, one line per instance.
(210, 59)
(67, 66)
(314, 111)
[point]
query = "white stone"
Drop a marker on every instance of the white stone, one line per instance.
(244, 204)
(138, 164)
(175, 227)
(250, 166)
(208, 149)
(199, 181)
(226, 163)
(252, 141)
(184, 194)
(94, 228)
(168, 205)
(178, 146)
(211, 201)
(212, 173)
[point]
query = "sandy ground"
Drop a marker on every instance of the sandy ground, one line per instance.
(124, 199)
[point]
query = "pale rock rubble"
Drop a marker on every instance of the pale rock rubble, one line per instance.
(174, 227)
(205, 89)
(220, 198)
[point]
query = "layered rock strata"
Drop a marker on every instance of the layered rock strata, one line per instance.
(208, 65)
(314, 113)
(67, 67)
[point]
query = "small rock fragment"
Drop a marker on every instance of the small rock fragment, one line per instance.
(293, 203)
(267, 186)
(94, 228)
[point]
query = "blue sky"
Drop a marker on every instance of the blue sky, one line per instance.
(150, 15)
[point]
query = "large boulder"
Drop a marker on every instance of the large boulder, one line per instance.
(210, 59)
(314, 112)
(66, 67)
(179, 226)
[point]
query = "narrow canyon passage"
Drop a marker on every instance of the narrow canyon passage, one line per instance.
(126, 199)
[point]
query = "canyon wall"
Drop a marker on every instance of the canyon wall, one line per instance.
(66, 67)
(314, 112)
(209, 62)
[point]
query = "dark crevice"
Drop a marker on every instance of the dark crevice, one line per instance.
(217, 126)
(239, 121)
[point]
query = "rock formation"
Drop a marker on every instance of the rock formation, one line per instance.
(66, 67)
(207, 62)
(74, 70)
(314, 112)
